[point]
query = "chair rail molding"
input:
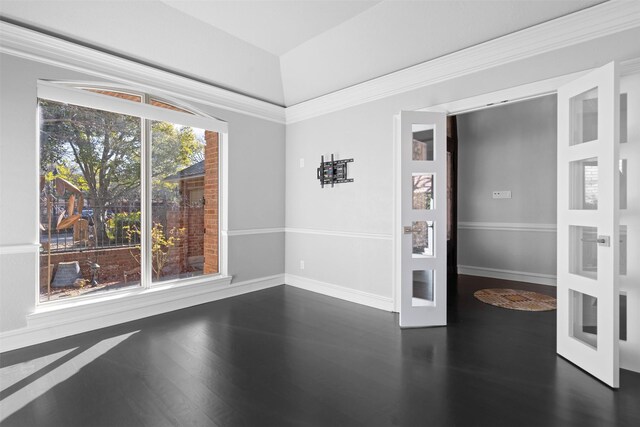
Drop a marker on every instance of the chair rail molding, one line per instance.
(254, 231)
(604, 19)
(20, 249)
(29, 44)
(352, 234)
(507, 226)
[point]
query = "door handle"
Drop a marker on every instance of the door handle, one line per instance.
(601, 240)
(407, 229)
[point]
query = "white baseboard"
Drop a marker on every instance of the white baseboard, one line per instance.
(54, 324)
(336, 291)
(519, 276)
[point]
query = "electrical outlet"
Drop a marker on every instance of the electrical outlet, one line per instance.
(503, 194)
(301, 163)
(301, 264)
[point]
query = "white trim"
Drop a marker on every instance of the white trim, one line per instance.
(108, 86)
(518, 276)
(83, 98)
(32, 45)
(341, 292)
(598, 21)
(507, 226)
(353, 234)
(505, 96)
(252, 231)
(629, 67)
(520, 93)
(50, 324)
(223, 203)
(20, 249)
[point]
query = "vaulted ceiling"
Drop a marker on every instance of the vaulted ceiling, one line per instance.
(284, 51)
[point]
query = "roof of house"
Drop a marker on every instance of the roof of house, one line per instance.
(194, 171)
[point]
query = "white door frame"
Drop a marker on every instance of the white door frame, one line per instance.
(490, 100)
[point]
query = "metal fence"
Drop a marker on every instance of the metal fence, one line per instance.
(109, 227)
(114, 227)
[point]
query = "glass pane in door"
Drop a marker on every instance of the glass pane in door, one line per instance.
(583, 251)
(623, 119)
(583, 184)
(422, 185)
(623, 183)
(422, 239)
(422, 287)
(623, 316)
(584, 318)
(422, 142)
(584, 117)
(623, 250)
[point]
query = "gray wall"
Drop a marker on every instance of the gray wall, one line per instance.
(511, 147)
(256, 188)
(362, 212)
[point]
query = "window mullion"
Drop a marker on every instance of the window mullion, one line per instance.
(146, 273)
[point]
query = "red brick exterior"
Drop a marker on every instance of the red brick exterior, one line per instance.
(211, 203)
(190, 217)
(113, 263)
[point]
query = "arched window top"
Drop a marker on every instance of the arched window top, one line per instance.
(123, 99)
(116, 94)
(133, 95)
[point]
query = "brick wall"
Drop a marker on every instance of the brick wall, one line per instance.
(113, 263)
(211, 203)
(191, 244)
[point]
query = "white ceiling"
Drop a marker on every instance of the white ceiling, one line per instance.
(285, 51)
(327, 45)
(276, 26)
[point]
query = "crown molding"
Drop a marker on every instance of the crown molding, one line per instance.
(631, 66)
(598, 21)
(29, 44)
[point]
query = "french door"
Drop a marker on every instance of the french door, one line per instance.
(588, 223)
(421, 218)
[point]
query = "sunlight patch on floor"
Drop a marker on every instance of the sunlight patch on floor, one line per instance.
(22, 396)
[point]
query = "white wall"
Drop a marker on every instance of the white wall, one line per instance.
(510, 147)
(360, 214)
(256, 189)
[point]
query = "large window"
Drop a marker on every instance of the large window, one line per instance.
(129, 192)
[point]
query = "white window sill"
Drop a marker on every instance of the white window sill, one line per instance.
(132, 298)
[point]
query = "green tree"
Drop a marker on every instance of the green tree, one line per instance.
(173, 148)
(104, 146)
(100, 152)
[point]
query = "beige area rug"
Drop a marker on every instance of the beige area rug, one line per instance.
(515, 299)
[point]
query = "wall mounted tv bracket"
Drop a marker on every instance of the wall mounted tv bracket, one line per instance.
(333, 172)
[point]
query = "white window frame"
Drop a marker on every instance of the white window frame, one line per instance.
(70, 93)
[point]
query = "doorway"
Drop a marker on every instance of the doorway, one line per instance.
(485, 231)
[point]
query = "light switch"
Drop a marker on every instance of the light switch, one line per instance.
(301, 163)
(502, 194)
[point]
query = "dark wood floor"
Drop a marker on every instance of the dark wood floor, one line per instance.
(288, 357)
